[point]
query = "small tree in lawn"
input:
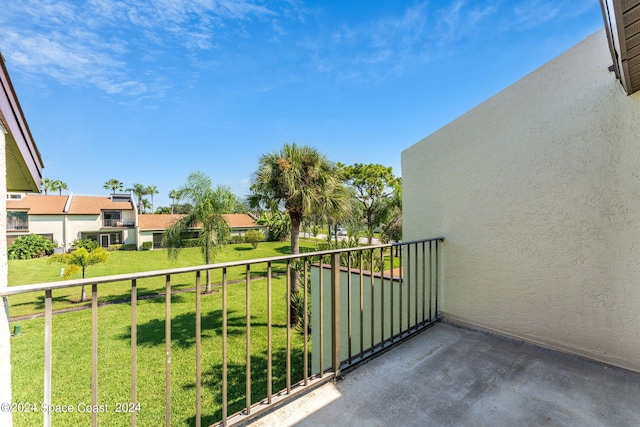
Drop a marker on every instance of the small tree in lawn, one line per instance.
(79, 260)
(254, 237)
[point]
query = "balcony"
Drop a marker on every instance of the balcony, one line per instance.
(118, 223)
(18, 226)
(220, 358)
(244, 358)
(455, 376)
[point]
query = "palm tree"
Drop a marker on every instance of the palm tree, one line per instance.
(113, 185)
(59, 186)
(139, 190)
(206, 215)
(303, 180)
(79, 260)
(151, 190)
(175, 196)
(46, 185)
(145, 206)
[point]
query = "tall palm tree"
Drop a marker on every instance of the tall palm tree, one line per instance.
(46, 184)
(145, 205)
(208, 206)
(302, 179)
(175, 197)
(139, 190)
(151, 190)
(59, 185)
(113, 185)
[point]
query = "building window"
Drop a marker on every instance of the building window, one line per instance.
(112, 219)
(17, 221)
(104, 239)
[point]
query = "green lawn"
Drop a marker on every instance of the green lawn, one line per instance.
(23, 272)
(72, 342)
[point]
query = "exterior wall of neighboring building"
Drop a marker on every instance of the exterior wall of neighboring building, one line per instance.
(21, 170)
(5, 351)
(537, 192)
(67, 218)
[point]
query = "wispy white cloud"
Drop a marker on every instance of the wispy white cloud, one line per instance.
(97, 42)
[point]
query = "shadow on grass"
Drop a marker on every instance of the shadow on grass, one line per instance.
(183, 327)
(236, 382)
(38, 303)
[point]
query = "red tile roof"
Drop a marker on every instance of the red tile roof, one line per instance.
(39, 204)
(157, 221)
(149, 222)
(94, 205)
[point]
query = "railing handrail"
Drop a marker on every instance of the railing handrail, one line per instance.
(21, 289)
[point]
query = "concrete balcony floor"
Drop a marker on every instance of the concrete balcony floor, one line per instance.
(452, 376)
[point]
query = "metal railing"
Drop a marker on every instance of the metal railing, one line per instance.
(118, 223)
(352, 304)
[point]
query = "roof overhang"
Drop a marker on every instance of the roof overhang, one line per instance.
(622, 24)
(24, 163)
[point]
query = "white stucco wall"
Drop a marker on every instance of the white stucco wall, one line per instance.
(5, 351)
(50, 224)
(537, 192)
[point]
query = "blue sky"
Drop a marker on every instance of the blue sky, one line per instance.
(148, 91)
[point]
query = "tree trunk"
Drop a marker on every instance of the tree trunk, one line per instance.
(207, 272)
(83, 292)
(295, 273)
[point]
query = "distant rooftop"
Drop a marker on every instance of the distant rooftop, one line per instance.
(622, 23)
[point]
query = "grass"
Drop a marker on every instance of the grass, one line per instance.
(72, 342)
(23, 272)
(72, 358)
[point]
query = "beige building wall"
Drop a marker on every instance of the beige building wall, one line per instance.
(5, 351)
(537, 192)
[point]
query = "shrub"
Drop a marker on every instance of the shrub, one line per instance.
(88, 244)
(190, 243)
(147, 245)
(30, 246)
(236, 239)
(129, 247)
(254, 237)
(115, 248)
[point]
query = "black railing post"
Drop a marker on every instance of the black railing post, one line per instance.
(335, 313)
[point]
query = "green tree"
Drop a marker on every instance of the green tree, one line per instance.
(301, 179)
(175, 197)
(145, 205)
(208, 206)
(254, 237)
(374, 186)
(46, 184)
(113, 185)
(151, 190)
(277, 223)
(242, 206)
(58, 186)
(182, 208)
(163, 210)
(140, 191)
(80, 260)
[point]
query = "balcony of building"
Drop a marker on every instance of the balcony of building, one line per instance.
(372, 350)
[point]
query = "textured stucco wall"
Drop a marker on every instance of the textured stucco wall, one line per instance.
(537, 192)
(5, 352)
